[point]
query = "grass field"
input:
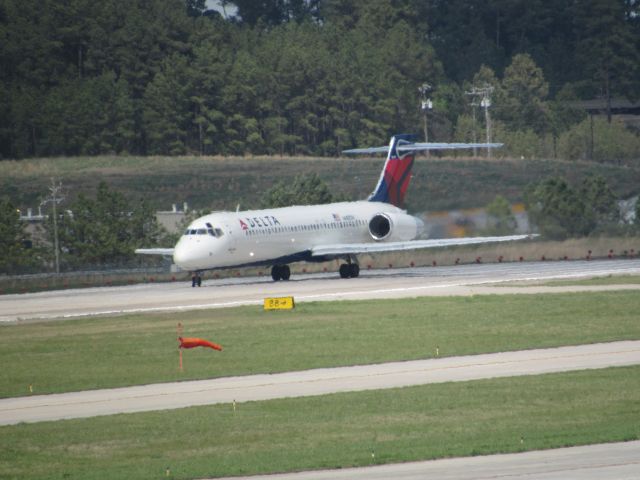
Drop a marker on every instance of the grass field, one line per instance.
(128, 350)
(341, 430)
(223, 182)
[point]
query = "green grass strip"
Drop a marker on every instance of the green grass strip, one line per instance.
(130, 350)
(333, 431)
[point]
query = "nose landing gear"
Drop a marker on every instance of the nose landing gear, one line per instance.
(280, 272)
(196, 279)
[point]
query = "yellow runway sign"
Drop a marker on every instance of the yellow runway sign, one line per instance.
(279, 303)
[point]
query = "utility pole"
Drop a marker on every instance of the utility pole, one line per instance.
(54, 199)
(473, 104)
(484, 93)
(425, 105)
(486, 103)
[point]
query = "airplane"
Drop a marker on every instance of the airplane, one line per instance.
(277, 237)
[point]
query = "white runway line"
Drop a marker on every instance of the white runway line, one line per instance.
(324, 381)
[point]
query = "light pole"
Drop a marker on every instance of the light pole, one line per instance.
(425, 105)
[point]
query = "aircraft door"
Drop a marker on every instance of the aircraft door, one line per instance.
(232, 238)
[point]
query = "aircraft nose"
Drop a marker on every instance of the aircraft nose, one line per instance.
(184, 256)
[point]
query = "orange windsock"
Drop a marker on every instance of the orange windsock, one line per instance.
(198, 342)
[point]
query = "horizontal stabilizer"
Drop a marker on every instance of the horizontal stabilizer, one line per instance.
(384, 149)
(413, 147)
(356, 248)
(155, 251)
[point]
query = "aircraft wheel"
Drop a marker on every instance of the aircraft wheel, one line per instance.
(285, 272)
(344, 271)
(354, 270)
(276, 273)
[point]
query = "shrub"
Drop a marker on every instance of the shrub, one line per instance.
(612, 142)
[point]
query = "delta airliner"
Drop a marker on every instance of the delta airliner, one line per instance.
(277, 237)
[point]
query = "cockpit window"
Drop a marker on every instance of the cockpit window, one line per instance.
(210, 230)
(214, 232)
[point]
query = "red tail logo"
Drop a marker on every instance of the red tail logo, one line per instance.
(395, 177)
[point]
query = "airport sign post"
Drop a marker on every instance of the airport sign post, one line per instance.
(279, 303)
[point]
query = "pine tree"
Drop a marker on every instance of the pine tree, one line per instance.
(523, 93)
(607, 49)
(168, 113)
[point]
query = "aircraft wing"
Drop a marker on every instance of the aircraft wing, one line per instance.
(155, 251)
(412, 147)
(356, 248)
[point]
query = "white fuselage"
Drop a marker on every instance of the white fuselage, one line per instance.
(281, 235)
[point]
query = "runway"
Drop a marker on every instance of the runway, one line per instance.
(609, 461)
(315, 382)
(391, 283)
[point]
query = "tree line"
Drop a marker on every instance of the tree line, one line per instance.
(306, 76)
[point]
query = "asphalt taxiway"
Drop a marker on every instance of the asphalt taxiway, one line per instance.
(609, 461)
(391, 283)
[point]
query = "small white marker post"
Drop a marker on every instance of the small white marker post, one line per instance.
(179, 334)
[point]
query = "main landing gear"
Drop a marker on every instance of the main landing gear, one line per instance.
(196, 279)
(351, 269)
(280, 272)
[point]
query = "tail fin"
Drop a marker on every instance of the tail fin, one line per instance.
(396, 174)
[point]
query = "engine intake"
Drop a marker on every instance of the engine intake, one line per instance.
(380, 226)
(395, 227)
